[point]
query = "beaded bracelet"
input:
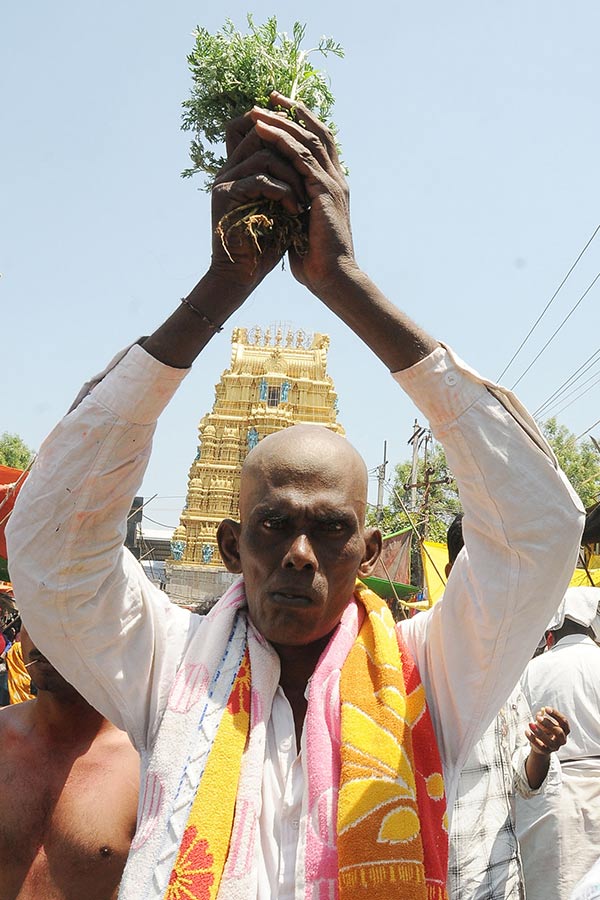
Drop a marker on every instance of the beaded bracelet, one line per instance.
(205, 319)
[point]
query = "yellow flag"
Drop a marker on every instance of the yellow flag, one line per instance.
(435, 558)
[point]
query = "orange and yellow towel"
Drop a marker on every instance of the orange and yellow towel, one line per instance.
(372, 767)
(19, 682)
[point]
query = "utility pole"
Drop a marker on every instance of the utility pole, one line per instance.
(421, 438)
(381, 482)
(415, 440)
(426, 485)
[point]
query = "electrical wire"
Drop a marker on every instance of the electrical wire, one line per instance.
(570, 394)
(551, 338)
(162, 524)
(547, 307)
(577, 374)
(420, 539)
(587, 431)
(566, 406)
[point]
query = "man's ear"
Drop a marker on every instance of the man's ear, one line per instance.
(228, 539)
(373, 544)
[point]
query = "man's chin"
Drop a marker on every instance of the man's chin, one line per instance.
(287, 638)
(47, 679)
(292, 620)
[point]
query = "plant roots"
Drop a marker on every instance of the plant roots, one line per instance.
(269, 227)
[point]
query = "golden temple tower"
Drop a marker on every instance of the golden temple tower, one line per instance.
(275, 380)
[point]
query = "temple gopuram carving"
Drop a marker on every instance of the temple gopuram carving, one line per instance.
(276, 378)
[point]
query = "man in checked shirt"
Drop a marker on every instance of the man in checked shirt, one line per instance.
(513, 756)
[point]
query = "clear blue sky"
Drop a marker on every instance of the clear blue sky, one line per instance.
(471, 131)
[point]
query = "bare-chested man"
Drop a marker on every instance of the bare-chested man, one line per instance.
(70, 783)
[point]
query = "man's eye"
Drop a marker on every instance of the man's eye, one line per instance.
(333, 526)
(272, 524)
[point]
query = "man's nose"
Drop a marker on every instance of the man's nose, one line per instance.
(300, 554)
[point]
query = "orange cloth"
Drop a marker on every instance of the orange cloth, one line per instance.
(19, 682)
(11, 481)
(392, 825)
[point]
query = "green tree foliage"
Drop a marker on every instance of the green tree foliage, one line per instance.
(232, 71)
(579, 461)
(437, 494)
(14, 451)
(437, 498)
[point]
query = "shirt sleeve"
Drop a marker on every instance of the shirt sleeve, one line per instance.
(522, 525)
(589, 887)
(84, 598)
(518, 717)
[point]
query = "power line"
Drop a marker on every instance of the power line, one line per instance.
(587, 431)
(570, 380)
(162, 524)
(586, 391)
(570, 403)
(547, 307)
(551, 338)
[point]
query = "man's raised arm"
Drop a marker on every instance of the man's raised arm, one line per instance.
(522, 521)
(85, 600)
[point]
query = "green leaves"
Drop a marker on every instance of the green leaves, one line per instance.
(14, 451)
(232, 71)
(579, 461)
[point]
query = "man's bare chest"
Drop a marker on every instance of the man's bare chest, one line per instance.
(64, 823)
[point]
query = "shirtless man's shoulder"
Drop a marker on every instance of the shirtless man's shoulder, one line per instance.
(69, 809)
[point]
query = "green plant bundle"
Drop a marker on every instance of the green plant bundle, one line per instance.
(232, 71)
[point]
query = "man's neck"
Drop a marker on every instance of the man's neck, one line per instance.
(297, 667)
(570, 632)
(299, 663)
(66, 719)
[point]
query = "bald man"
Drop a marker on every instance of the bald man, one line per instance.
(293, 742)
(311, 484)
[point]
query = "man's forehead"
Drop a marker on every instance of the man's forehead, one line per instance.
(301, 442)
(322, 503)
(309, 474)
(26, 641)
(311, 458)
(319, 463)
(320, 497)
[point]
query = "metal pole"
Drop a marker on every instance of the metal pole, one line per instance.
(414, 468)
(381, 481)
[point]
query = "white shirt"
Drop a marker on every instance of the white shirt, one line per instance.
(88, 605)
(589, 887)
(282, 795)
(567, 677)
(484, 860)
(559, 831)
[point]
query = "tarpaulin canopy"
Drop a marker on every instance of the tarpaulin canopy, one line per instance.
(435, 558)
(11, 481)
(391, 575)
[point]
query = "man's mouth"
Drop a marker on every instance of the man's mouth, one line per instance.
(296, 601)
